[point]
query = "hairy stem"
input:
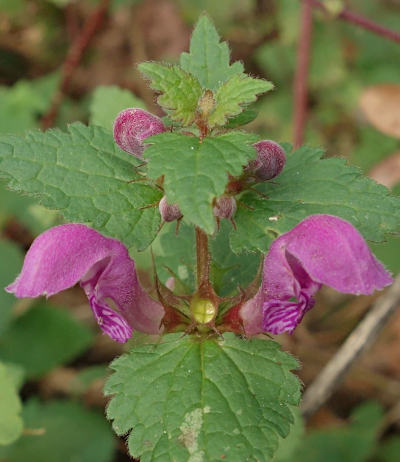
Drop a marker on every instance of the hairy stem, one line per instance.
(203, 261)
(301, 75)
(362, 21)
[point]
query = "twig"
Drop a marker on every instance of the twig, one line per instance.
(72, 60)
(359, 340)
(362, 21)
(301, 75)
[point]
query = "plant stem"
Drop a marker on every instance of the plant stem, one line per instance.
(203, 262)
(301, 75)
(72, 60)
(362, 21)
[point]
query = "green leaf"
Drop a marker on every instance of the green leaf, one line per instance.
(191, 400)
(53, 336)
(208, 59)
(195, 172)
(27, 211)
(352, 443)
(10, 264)
(229, 270)
(243, 118)
(11, 424)
(309, 185)
(390, 450)
(289, 446)
(175, 255)
(180, 90)
(67, 432)
(85, 176)
(233, 95)
(21, 105)
(108, 101)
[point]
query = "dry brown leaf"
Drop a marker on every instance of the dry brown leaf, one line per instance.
(381, 106)
(387, 172)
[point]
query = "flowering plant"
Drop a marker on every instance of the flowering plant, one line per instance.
(207, 384)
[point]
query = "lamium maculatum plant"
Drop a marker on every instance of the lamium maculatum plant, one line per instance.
(262, 228)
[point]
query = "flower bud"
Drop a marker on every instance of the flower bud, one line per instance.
(225, 207)
(270, 160)
(169, 212)
(132, 126)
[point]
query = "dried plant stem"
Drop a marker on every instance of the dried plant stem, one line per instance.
(362, 21)
(301, 75)
(359, 340)
(72, 60)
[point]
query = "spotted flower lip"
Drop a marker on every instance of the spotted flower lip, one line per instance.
(322, 249)
(67, 254)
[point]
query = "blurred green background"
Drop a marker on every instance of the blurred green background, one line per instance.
(54, 355)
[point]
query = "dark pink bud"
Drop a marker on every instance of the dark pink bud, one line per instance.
(270, 160)
(225, 207)
(132, 126)
(169, 212)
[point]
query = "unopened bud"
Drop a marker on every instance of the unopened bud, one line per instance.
(169, 212)
(225, 207)
(132, 126)
(270, 160)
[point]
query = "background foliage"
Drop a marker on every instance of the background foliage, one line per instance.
(59, 371)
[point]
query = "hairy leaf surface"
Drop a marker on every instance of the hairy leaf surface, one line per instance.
(195, 172)
(309, 185)
(188, 400)
(234, 95)
(208, 59)
(85, 176)
(180, 91)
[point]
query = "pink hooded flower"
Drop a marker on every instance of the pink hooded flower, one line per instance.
(322, 249)
(64, 255)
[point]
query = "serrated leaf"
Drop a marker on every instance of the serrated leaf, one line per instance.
(108, 101)
(85, 176)
(208, 58)
(195, 172)
(11, 258)
(289, 446)
(11, 424)
(309, 185)
(67, 431)
(53, 336)
(180, 91)
(190, 400)
(233, 95)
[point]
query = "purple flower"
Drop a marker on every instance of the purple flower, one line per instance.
(64, 255)
(322, 249)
